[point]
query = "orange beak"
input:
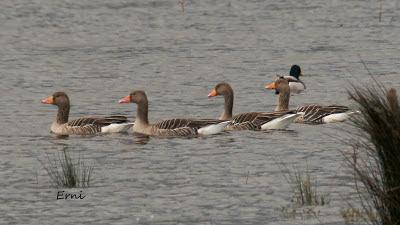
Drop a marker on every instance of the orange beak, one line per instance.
(126, 99)
(270, 86)
(48, 100)
(213, 93)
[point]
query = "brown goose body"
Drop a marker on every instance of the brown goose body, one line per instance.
(86, 125)
(313, 113)
(80, 126)
(165, 128)
(182, 122)
(153, 130)
(243, 121)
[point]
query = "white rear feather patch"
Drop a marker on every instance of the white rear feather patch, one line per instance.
(338, 117)
(282, 122)
(213, 129)
(117, 128)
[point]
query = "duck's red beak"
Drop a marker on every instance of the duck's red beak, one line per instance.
(270, 86)
(126, 99)
(213, 93)
(48, 100)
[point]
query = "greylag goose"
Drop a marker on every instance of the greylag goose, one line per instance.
(171, 127)
(313, 114)
(84, 125)
(250, 120)
(296, 85)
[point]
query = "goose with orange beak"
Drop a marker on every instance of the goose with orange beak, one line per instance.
(250, 120)
(178, 127)
(313, 114)
(84, 125)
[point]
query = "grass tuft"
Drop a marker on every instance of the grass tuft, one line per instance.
(376, 153)
(354, 216)
(64, 172)
(304, 187)
(306, 199)
(305, 190)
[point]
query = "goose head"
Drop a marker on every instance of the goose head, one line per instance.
(280, 85)
(61, 100)
(58, 99)
(137, 97)
(140, 98)
(295, 71)
(223, 89)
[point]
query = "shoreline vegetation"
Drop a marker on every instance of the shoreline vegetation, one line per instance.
(375, 156)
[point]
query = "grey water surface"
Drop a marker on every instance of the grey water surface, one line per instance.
(98, 51)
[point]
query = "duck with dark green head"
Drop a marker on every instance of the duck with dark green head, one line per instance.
(296, 85)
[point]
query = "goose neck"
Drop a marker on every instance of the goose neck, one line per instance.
(283, 101)
(63, 113)
(228, 106)
(142, 113)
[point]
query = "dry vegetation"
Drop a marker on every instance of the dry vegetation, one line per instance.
(376, 154)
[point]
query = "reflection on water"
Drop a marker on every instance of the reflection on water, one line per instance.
(61, 136)
(141, 138)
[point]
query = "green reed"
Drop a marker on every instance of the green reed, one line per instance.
(65, 172)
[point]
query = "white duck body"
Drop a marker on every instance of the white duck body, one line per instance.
(296, 86)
